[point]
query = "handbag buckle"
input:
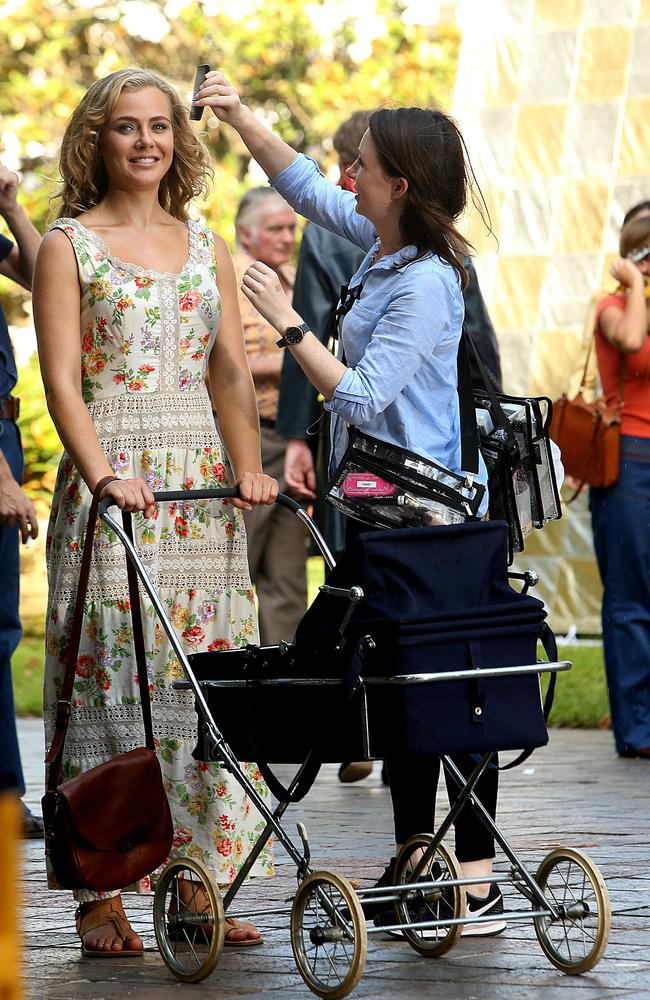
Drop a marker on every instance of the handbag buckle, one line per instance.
(62, 711)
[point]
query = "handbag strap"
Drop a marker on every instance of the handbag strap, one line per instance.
(138, 637)
(622, 368)
(63, 706)
(497, 411)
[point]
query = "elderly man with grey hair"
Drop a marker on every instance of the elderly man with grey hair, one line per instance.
(277, 552)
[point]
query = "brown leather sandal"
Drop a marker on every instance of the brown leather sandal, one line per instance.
(104, 912)
(198, 902)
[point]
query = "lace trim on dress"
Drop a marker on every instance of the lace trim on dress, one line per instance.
(151, 413)
(195, 254)
(98, 733)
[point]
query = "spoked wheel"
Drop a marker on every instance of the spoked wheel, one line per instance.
(445, 903)
(573, 884)
(188, 920)
(328, 934)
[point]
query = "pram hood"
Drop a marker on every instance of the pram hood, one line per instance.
(443, 579)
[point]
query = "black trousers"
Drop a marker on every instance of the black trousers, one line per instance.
(413, 783)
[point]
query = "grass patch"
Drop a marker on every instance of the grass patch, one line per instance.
(27, 672)
(580, 695)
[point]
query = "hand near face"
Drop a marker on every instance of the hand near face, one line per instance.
(626, 273)
(262, 287)
(8, 189)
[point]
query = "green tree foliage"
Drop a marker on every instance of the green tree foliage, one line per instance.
(303, 65)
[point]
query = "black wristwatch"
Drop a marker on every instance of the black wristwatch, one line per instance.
(293, 335)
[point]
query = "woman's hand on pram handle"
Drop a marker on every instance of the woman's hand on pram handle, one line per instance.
(130, 494)
(255, 488)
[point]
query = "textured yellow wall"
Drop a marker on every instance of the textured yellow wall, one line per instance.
(553, 97)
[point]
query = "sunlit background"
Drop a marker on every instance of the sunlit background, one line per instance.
(553, 97)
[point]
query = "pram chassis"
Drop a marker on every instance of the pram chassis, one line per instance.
(327, 899)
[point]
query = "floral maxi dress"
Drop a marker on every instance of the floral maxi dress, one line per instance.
(145, 340)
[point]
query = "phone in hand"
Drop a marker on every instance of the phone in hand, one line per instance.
(196, 110)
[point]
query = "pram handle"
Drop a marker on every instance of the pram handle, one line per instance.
(227, 493)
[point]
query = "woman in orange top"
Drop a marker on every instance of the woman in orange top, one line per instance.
(621, 513)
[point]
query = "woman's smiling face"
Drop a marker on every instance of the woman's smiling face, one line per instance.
(137, 142)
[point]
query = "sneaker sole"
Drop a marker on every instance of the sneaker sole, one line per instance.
(484, 930)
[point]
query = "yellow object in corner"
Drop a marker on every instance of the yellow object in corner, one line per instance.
(10, 942)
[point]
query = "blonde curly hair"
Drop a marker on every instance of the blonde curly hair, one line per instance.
(85, 181)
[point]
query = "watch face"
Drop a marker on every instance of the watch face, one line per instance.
(293, 334)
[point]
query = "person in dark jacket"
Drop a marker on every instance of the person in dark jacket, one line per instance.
(17, 514)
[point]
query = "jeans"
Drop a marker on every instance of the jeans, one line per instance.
(620, 518)
(11, 772)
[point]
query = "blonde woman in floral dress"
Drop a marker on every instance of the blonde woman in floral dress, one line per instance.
(134, 304)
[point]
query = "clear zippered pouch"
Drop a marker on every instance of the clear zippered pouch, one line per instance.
(390, 487)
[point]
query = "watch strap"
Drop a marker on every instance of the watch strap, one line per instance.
(303, 327)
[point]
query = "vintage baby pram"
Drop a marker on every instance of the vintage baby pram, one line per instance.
(416, 641)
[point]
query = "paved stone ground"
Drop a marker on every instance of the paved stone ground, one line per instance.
(573, 793)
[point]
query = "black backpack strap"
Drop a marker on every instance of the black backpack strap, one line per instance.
(468, 429)
(496, 409)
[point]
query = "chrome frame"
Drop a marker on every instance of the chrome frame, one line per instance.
(221, 751)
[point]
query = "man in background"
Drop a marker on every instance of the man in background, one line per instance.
(17, 512)
(277, 553)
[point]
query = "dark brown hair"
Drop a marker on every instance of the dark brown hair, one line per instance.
(635, 234)
(643, 206)
(425, 146)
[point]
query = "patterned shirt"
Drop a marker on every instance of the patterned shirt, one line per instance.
(260, 336)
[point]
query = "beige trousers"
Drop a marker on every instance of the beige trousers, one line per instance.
(277, 553)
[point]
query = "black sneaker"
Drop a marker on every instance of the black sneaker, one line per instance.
(369, 907)
(490, 905)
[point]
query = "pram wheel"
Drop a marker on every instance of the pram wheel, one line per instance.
(188, 920)
(573, 884)
(446, 903)
(329, 949)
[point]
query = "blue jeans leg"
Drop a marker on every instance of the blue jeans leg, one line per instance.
(621, 527)
(11, 772)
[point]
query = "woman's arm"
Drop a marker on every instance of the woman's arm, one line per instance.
(403, 338)
(303, 186)
(262, 287)
(272, 154)
(233, 393)
(626, 329)
(56, 317)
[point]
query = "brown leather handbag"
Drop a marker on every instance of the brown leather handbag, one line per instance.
(589, 433)
(110, 826)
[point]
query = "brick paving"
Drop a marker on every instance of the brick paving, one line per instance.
(573, 793)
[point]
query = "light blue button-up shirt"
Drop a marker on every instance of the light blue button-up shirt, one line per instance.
(400, 338)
